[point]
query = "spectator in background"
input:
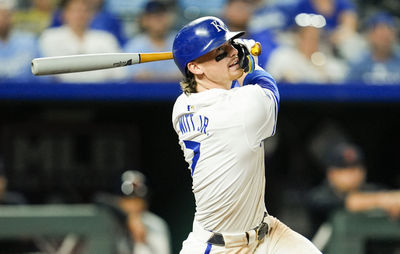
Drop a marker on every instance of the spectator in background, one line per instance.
(105, 20)
(309, 60)
(149, 232)
(192, 9)
(17, 49)
(36, 18)
(272, 15)
(345, 187)
(156, 36)
(237, 15)
(341, 22)
(380, 65)
(124, 7)
(102, 19)
(127, 11)
(7, 197)
(75, 37)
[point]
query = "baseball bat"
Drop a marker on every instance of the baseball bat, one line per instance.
(90, 62)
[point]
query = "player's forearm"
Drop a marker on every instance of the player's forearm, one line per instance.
(363, 201)
(357, 202)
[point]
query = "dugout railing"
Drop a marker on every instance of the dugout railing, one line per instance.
(95, 225)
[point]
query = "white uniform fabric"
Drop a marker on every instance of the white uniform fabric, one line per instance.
(228, 178)
(280, 240)
(221, 133)
(62, 41)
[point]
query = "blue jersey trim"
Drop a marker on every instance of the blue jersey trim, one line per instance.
(208, 249)
(195, 146)
(265, 80)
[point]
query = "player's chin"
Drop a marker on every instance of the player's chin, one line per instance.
(236, 73)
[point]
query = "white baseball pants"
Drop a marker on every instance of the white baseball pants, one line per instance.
(279, 240)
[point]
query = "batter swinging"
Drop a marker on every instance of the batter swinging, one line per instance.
(221, 132)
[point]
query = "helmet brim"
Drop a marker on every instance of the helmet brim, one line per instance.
(235, 35)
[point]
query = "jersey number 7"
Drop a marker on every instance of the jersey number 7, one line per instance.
(195, 146)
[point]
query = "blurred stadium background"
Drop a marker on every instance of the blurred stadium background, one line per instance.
(62, 143)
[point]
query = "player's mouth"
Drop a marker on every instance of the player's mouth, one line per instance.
(236, 62)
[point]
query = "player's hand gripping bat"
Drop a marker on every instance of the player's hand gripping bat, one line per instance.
(90, 62)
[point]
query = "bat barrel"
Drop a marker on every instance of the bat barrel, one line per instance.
(80, 63)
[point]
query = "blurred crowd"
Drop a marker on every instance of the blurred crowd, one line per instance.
(304, 41)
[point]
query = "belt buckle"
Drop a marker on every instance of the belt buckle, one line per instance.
(262, 231)
(217, 239)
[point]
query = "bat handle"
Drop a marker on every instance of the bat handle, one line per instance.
(256, 49)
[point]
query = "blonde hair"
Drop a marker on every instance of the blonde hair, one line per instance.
(188, 84)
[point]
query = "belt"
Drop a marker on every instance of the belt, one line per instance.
(258, 233)
(261, 231)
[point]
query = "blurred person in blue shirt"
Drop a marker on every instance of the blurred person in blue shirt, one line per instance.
(341, 22)
(127, 11)
(192, 9)
(17, 49)
(336, 12)
(157, 35)
(272, 15)
(105, 20)
(102, 19)
(237, 15)
(381, 64)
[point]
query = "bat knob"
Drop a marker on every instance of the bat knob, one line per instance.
(256, 49)
(34, 67)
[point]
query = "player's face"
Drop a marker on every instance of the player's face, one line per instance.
(220, 66)
(346, 179)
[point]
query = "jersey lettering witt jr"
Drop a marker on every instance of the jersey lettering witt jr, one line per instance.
(221, 133)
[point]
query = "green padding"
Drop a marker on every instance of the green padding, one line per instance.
(352, 230)
(97, 225)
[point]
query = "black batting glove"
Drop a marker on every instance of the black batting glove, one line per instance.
(247, 61)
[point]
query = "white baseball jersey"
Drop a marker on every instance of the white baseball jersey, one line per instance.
(221, 133)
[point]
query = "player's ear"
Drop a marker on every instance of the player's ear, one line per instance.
(194, 68)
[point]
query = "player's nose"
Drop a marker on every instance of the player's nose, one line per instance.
(232, 51)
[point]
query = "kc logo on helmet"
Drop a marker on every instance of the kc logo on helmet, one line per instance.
(218, 26)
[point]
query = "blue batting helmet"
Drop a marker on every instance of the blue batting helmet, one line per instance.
(198, 38)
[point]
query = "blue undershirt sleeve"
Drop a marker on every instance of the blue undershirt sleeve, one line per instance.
(263, 79)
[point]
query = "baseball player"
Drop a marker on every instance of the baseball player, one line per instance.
(221, 132)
